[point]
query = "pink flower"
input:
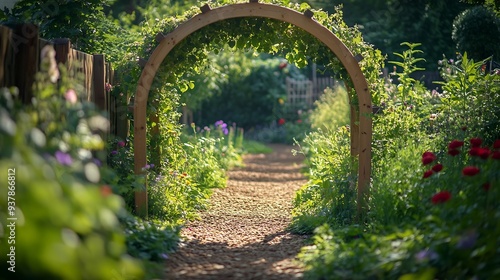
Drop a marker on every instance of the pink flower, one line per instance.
(470, 171)
(108, 87)
(121, 144)
(70, 96)
(441, 197)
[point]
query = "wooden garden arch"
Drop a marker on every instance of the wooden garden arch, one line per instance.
(361, 126)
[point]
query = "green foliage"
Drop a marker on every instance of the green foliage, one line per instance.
(83, 22)
(66, 223)
(149, 240)
(329, 196)
(332, 109)
(248, 93)
(490, 4)
(254, 147)
(473, 32)
(386, 24)
(432, 236)
(469, 99)
(431, 209)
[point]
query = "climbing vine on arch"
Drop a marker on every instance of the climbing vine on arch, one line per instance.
(258, 34)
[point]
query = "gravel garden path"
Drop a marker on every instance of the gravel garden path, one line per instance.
(243, 233)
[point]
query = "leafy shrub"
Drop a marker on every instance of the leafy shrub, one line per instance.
(431, 211)
(469, 100)
(332, 109)
(450, 232)
(149, 240)
(329, 196)
(474, 30)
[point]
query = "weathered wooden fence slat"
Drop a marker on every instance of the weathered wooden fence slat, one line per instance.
(20, 49)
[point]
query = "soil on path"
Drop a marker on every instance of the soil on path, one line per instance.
(243, 233)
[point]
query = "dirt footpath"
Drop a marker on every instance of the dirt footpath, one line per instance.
(242, 234)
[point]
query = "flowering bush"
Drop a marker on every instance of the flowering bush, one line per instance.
(67, 226)
(451, 232)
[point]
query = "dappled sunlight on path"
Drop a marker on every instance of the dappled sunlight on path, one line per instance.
(243, 233)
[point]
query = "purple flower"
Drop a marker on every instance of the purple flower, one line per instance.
(225, 131)
(164, 256)
(114, 153)
(97, 162)
(468, 240)
(151, 165)
(219, 123)
(63, 158)
(426, 255)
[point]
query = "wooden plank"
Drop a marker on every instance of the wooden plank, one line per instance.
(5, 38)
(26, 60)
(99, 81)
(62, 46)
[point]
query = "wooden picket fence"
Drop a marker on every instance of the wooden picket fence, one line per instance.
(304, 92)
(20, 48)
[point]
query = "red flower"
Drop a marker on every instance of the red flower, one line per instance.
(282, 65)
(475, 142)
(496, 145)
(496, 155)
(428, 157)
(455, 144)
(453, 152)
(281, 121)
(483, 153)
(106, 190)
(486, 186)
(438, 167)
(427, 174)
(441, 197)
(474, 151)
(470, 171)
(299, 121)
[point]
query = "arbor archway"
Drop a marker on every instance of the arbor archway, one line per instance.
(361, 123)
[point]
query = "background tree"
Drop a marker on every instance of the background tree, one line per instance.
(388, 23)
(477, 32)
(82, 21)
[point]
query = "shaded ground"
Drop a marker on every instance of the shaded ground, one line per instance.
(242, 234)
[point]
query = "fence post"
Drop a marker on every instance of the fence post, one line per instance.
(26, 54)
(62, 47)
(5, 38)
(99, 72)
